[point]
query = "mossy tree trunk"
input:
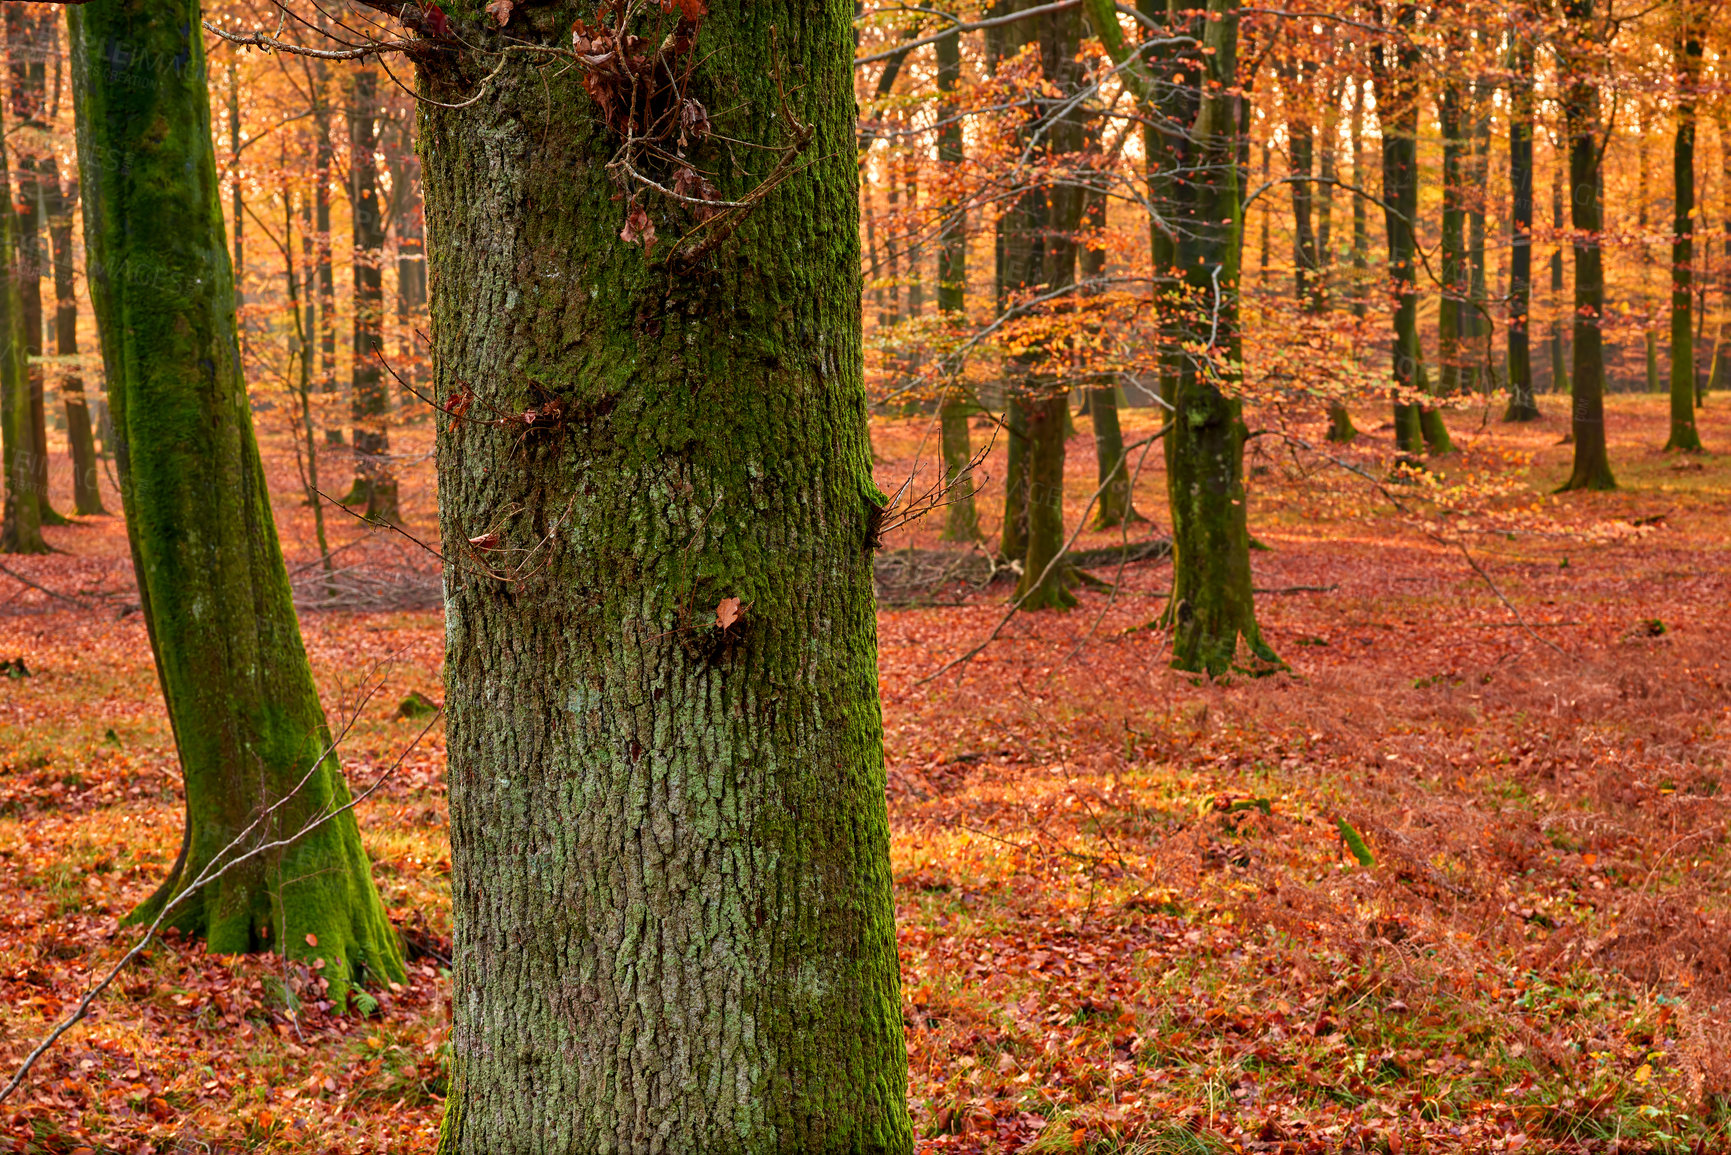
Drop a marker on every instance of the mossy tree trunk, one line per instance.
(212, 585)
(1684, 435)
(1397, 100)
(21, 524)
(1522, 404)
(1580, 99)
(1212, 611)
(672, 895)
(961, 519)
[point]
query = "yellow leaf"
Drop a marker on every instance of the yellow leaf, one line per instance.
(1644, 1073)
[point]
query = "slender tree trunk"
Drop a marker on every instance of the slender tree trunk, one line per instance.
(1397, 98)
(1046, 578)
(1720, 375)
(1453, 260)
(961, 519)
(671, 882)
(369, 402)
(1684, 435)
(1115, 506)
(211, 580)
(21, 525)
(1522, 404)
(1592, 466)
(86, 472)
(29, 41)
(1559, 361)
(407, 224)
(1475, 326)
(324, 158)
(237, 198)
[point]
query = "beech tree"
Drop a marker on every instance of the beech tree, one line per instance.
(1195, 168)
(1578, 57)
(672, 896)
(212, 585)
(21, 526)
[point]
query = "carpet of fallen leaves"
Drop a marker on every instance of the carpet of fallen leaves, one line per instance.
(1128, 919)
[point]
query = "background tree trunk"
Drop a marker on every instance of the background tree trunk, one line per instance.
(29, 41)
(1212, 611)
(1592, 466)
(86, 472)
(21, 524)
(1522, 404)
(672, 894)
(1684, 435)
(211, 580)
(961, 519)
(369, 402)
(1397, 107)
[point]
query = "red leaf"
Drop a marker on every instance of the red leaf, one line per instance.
(436, 18)
(638, 226)
(486, 540)
(500, 10)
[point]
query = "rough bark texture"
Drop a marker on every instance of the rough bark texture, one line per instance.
(212, 585)
(21, 525)
(1592, 465)
(674, 929)
(1684, 435)
(1522, 404)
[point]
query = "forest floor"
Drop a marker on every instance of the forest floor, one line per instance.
(1129, 921)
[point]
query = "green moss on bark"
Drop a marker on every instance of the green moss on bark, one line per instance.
(213, 587)
(674, 927)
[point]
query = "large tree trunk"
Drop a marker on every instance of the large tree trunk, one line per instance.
(1522, 404)
(211, 581)
(961, 519)
(369, 403)
(21, 526)
(672, 893)
(1684, 435)
(1592, 465)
